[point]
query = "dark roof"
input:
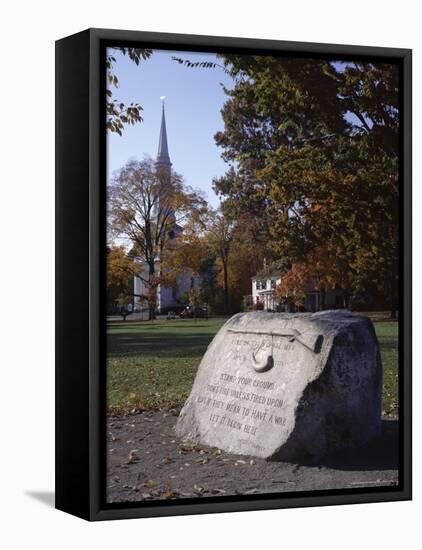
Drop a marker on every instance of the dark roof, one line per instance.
(263, 274)
(273, 270)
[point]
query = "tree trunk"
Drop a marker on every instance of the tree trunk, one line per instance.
(152, 291)
(346, 300)
(226, 287)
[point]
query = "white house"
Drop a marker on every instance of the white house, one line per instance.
(264, 286)
(264, 290)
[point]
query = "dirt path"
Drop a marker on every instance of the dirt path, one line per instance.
(146, 461)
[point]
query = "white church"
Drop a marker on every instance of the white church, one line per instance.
(167, 298)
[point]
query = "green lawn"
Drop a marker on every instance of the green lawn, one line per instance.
(387, 334)
(153, 365)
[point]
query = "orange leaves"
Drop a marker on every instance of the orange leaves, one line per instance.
(294, 283)
(319, 270)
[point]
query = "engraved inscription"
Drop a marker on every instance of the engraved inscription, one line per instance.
(242, 403)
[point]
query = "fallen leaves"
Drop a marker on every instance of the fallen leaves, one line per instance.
(149, 484)
(167, 468)
(202, 460)
(132, 456)
(170, 493)
(198, 489)
(217, 491)
(252, 491)
(188, 447)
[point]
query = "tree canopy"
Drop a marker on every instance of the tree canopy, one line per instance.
(146, 206)
(312, 148)
(312, 184)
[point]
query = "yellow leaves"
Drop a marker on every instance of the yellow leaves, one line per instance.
(119, 266)
(187, 253)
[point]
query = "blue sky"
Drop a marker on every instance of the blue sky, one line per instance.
(194, 98)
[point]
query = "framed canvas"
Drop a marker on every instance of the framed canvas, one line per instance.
(233, 280)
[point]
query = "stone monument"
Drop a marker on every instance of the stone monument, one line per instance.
(287, 386)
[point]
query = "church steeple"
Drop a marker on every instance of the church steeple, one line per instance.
(163, 170)
(163, 158)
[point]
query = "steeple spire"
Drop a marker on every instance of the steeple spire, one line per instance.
(163, 158)
(163, 169)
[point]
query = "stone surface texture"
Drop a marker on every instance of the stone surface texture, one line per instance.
(287, 386)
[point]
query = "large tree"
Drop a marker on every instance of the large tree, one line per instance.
(219, 236)
(313, 153)
(146, 206)
(189, 250)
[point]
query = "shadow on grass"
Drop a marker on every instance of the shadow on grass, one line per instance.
(161, 344)
(184, 326)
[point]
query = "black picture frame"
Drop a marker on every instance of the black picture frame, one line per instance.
(80, 304)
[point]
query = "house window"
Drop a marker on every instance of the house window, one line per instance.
(273, 284)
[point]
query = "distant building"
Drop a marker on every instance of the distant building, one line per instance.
(264, 285)
(167, 298)
(264, 290)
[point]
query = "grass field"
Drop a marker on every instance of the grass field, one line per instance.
(153, 365)
(387, 333)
